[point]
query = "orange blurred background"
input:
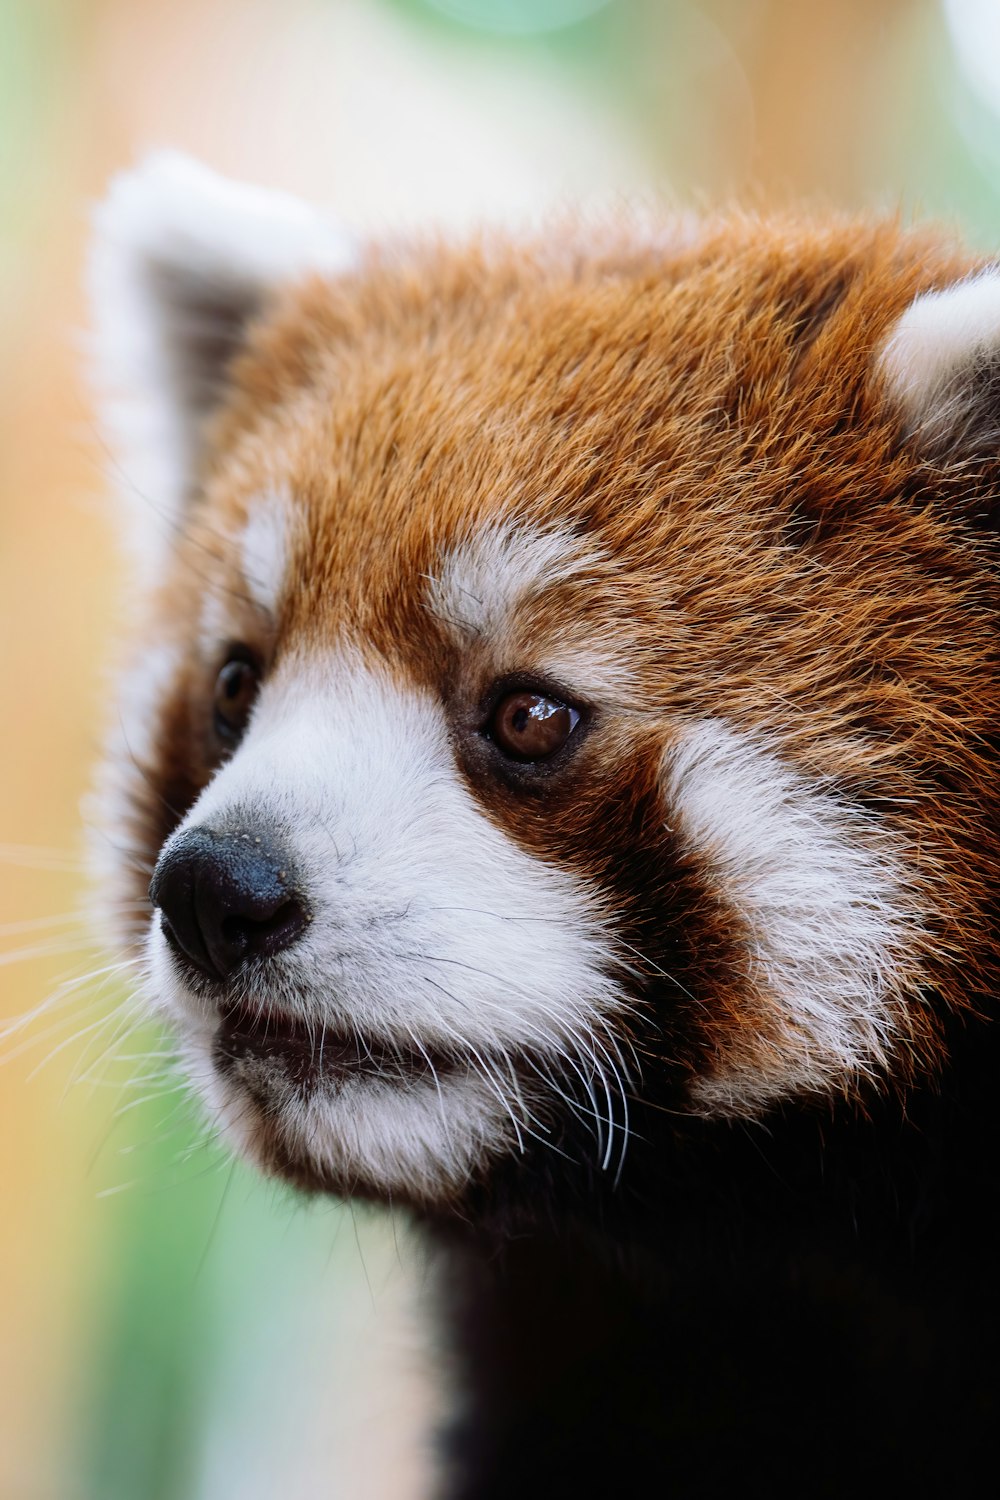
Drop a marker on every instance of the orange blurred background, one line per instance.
(169, 1327)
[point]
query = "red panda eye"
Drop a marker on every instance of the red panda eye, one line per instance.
(529, 726)
(235, 691)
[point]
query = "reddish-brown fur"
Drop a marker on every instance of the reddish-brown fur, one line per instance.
(799, 1300)
(776, 554)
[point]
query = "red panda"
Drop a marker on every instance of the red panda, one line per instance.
(559, 742)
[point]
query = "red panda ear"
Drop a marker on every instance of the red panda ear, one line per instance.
(941, 367)
(182, 260)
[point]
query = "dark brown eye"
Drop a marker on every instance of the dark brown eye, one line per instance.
(529, 726)
(235, 691)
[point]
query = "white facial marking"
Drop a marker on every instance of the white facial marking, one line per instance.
(480, 583)
(830, 920)
(414, 1139)
(430, 928)
(264, 550)
(213, 623)
(940, 337)
(598, 671)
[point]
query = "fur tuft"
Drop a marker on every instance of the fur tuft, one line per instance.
(941, 365)
(183, 260)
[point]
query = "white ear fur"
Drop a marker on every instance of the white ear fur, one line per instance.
(182, 259)
(941, 361)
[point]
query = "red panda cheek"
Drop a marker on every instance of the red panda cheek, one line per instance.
(829, 927)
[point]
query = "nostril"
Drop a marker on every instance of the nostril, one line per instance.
(224, 899)
(261, 936)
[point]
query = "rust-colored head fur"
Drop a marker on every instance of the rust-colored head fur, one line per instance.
(705, 487)
(561, 729)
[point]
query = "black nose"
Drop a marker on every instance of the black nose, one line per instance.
(225, 898)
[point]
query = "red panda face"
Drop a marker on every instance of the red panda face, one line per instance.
(563, 680)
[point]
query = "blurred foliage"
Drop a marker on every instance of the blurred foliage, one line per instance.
(222, 1301)
(36, 50)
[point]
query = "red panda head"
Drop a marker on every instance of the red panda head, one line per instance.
(564, 674)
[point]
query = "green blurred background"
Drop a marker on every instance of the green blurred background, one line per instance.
(171, 1329)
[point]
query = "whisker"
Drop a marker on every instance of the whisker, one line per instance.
(41, 924)
(51, 949)
(607, 1124)
(32, 857)
(65, 989)
(437, 1082)
(102, 1021)
(467, 1046)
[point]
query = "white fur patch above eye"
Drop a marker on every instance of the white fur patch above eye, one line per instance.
(829, 917)
(213, 623)
(942, 338)
(264, 549)
(480, 583)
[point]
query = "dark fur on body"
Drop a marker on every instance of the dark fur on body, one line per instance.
(804, 1306)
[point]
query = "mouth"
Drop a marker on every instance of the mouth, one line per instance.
(315, 1056)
